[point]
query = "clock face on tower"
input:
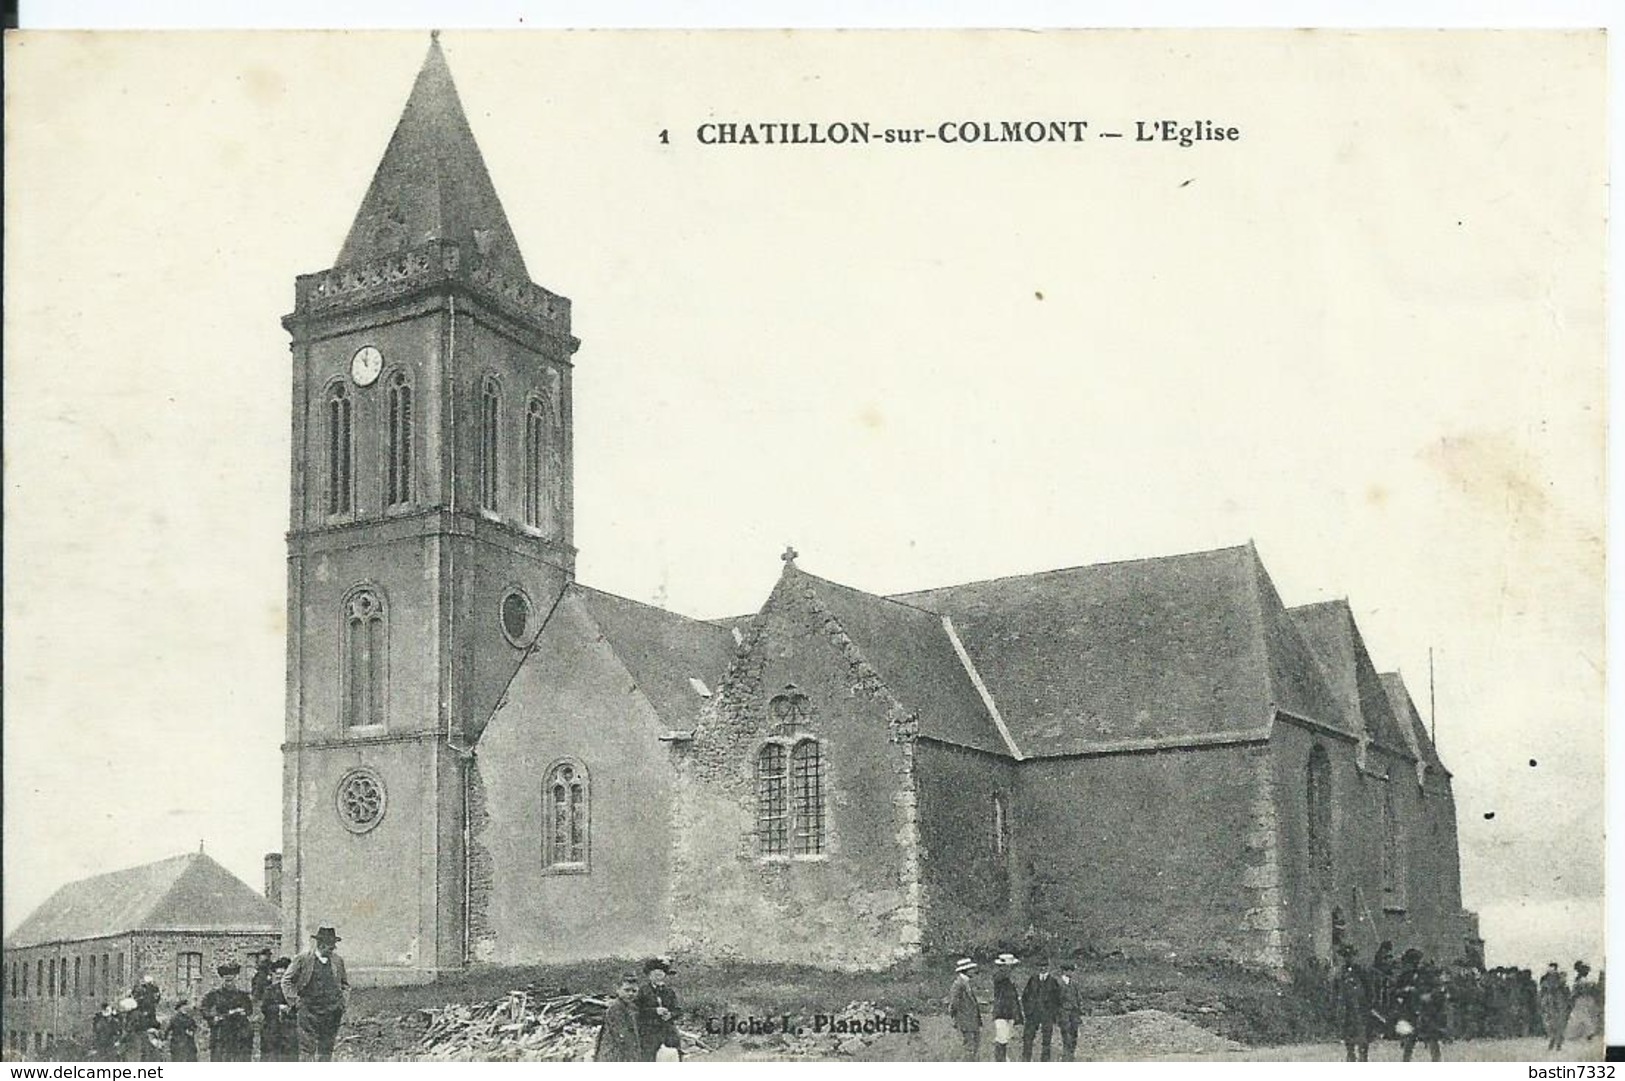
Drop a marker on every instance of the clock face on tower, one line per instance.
(365, 365)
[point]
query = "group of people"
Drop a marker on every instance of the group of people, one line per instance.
(1415, 1001)
(300, 1002)
(640, 1024)
(1050, 1000)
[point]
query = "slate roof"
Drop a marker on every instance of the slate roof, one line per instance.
(432, 183)
(913, 654)
(1332, 634)
(1420, 744)
(663, 651)
(183, 893)
(1097, 657)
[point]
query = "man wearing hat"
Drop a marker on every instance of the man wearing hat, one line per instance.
(1353, 1004)
(1040, 1009)
(262, 972)
(965, 1010)
(279, 1039)
(227, 1009)
(1554, 1000)
(1071, 1010)
(317, 988)
(657, 1010)
(1006, 1006)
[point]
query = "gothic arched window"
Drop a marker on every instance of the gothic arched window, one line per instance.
(1001, 826)
(537, 434)
(1318, 825)
(490, 430)
(807, 796)
(772, 800)
(340, 451)
(365, 643)
(398, 456)
(1393, 872)
(565, 843)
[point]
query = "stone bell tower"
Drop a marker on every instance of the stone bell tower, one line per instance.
(430, 532)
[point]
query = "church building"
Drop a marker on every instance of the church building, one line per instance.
(489, 762)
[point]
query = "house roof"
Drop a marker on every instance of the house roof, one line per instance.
(1097, 657)
(1420, 744)
(1332, 634)
(432, 183)
(663, 651)
(911, 650)
(189, 893)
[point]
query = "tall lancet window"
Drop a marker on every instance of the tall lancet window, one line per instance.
(1393, 863)
(398, 460)
(340, 451)
(537, 434)
(1318, 824)
(490, 429)
(565, 843)
(365, 644)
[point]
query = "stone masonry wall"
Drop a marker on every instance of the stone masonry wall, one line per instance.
(860, 903)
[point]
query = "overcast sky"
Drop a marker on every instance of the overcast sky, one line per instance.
(1368, 336)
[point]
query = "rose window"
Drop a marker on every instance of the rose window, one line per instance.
(360, 799)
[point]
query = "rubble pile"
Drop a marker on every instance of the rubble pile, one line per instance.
(526, 1026)
(839, 1035)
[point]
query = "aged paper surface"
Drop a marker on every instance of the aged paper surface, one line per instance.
(936, 307)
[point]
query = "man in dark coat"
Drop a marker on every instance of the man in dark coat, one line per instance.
(104, 1034)
(279, 1039)
(657, 1010)
(229, 1011)
(181, 1033)
(1554, 1006)
(1352, 1000)
(965, 1011)
(1041, 1007)
(1006, 1006)
(262, 974)
(317, 986)
(1071, 1010)
(618, 1039)
(1419, 998)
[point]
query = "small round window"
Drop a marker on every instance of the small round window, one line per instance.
(360, 800)
(516, 617)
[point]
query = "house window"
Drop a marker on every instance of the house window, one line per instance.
(50, 987)
(536, 440)
(1001, 826)
(567, 817)
(340, 451)
(107, 977)
(118, 968)
(807, 796)
(76, 961)
(24, 967)
(1318, 823)
(188, 974)
(363, 662)
(398, 460)
(772, 800)
(490, 427)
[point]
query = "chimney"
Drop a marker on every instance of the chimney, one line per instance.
(273, 878)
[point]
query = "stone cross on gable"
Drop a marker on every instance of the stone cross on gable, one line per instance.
(789, 555)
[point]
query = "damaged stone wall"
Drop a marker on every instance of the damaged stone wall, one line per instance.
(859, 904)
(974, 890)
(1148, 853)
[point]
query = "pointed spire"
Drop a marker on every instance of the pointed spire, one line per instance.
(432, 183)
